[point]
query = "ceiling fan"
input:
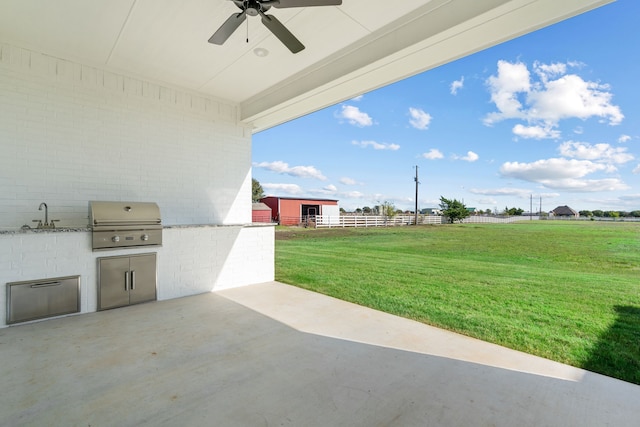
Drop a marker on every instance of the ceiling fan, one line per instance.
(260, 7)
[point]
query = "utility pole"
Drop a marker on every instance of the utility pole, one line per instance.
(417, 182)
(531, 208)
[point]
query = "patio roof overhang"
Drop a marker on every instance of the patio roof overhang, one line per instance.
(350, 49)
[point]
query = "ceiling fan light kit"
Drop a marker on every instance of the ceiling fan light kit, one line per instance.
(260, 7)
(261, 52)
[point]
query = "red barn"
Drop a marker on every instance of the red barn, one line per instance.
(294, 211)
(260, 213)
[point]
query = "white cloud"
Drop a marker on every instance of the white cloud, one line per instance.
(283, 188)
(631, 198)
(512, 79)
(328, 190)
(624, 138)
(348, 181)
(519, 192)
(544, 102)
(456, 85)
(550, 169)
(353, 195)
(563, 174)
(354, 116)
(636, 170)
(433, 154)
(588, 185)
(596, 152)
(470, 157)
(357, 98)
(546, 71)
(569, 96)
(419, 119)
(535, 132)
(297, 171)
(376, 145)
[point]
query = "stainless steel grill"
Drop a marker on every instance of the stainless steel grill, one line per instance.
(117, 225)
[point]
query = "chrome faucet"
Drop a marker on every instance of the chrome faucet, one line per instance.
(46, 213)
(47, 224)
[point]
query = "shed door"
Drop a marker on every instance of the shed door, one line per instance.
(310, 211)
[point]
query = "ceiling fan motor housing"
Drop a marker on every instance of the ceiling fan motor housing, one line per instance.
(252, 7)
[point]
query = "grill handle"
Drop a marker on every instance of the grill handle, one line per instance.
(105, 223)
(126, 280)
(133, 280)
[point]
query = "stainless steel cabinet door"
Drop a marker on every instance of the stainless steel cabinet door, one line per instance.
(143, 278)
(124, 280)
(38, 299)
(113, 282)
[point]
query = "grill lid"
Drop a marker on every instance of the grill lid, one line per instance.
(123, 213)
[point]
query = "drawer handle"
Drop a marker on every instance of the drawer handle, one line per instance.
(126, 280)
(46, 285)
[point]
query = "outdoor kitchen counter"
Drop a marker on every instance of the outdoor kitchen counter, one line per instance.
(45, 230)
(193, 258)
(88, 229)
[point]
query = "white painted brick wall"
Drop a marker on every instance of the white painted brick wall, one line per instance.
(70, 133)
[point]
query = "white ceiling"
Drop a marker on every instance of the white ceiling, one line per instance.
(350, 49)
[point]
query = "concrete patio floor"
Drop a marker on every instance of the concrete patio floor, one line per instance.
(276, 355)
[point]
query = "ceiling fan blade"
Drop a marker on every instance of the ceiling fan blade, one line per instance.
(281, 4)
(229, 26)
(281, 32)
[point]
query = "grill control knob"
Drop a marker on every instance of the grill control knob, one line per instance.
(145, 237)
(115, 239)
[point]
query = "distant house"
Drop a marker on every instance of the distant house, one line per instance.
(294, 211)
(260, 213)
(431, 211)
(564, 212)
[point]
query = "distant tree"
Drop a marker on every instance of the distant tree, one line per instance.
(366, 210)
(488, 212)
(586, 213)
(257, 192)
(358, 211)
(613, 214)
(342, 211)
(453, 209)
(388, 209)
(635, 214)
(513, 211)
(598, 213)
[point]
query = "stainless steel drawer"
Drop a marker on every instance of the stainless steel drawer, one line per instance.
(37, 299)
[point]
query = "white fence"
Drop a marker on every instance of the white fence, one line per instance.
(332, 221)
(328, 221)
(481, 219)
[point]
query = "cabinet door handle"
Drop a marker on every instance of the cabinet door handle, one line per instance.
(46, 285)
(133, 279)
(126, 280)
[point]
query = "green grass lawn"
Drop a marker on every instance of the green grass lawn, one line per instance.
(567, 291)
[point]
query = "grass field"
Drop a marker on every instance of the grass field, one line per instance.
(567, 291)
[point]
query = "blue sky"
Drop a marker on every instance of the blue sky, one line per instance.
(554, 114)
